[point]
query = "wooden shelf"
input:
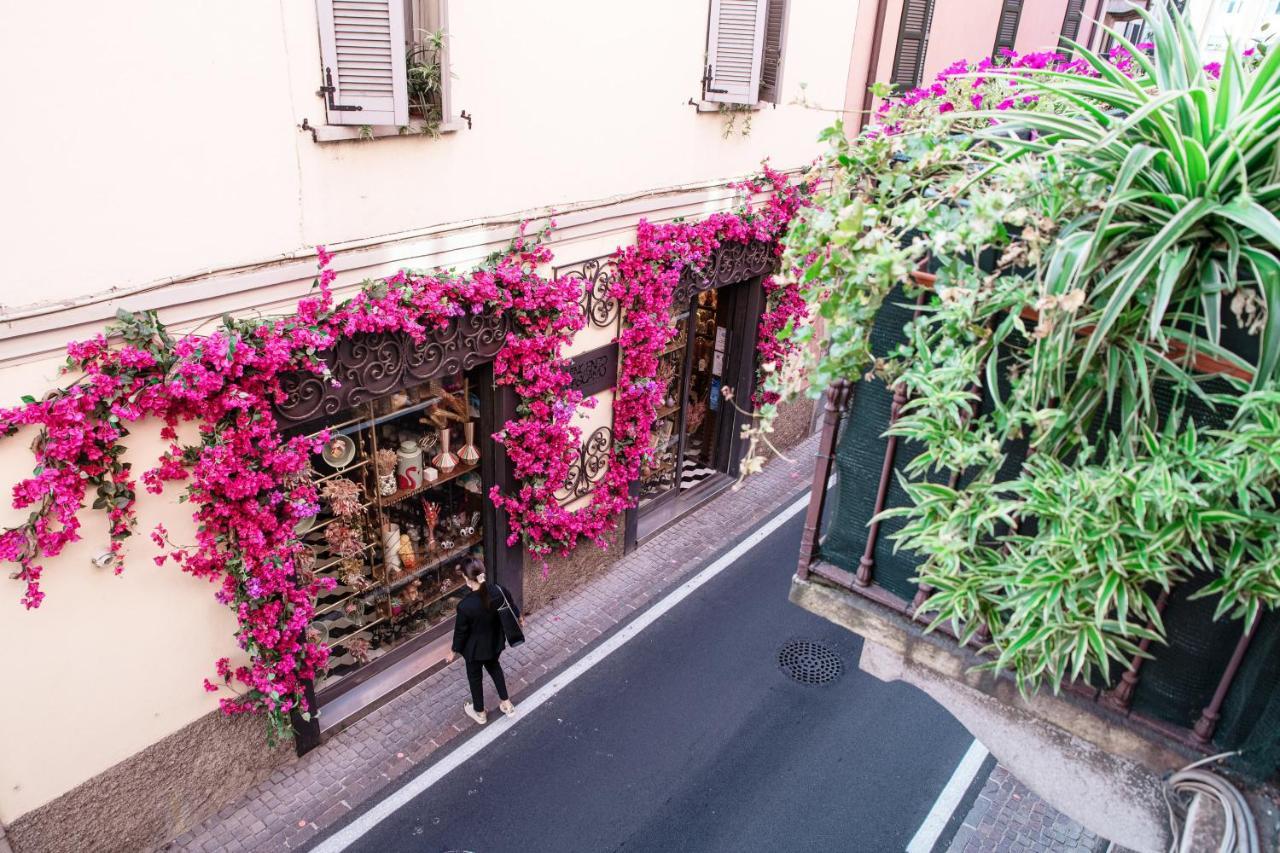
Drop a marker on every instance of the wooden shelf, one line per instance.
(389, 416)
(400, 582)
(455, 472)
(673, 347)
(666, 411)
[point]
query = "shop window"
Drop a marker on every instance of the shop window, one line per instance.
(694, 431)
(402, 505)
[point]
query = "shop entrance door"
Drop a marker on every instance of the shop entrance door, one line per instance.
(695, 438)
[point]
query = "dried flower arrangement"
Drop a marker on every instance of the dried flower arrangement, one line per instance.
(343, 496)
(343, 539)
(384, 461)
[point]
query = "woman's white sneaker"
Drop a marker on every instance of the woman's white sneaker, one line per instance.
(479, 716)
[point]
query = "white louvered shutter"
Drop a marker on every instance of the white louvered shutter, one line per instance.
(775, 40)
(362, 48)
(735, 43)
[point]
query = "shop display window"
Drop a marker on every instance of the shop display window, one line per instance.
(402, 505)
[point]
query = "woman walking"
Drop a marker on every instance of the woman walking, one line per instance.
(478, 637)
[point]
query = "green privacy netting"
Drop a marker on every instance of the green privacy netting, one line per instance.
(1175, 686)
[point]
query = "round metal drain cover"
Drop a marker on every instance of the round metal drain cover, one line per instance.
(810, 663)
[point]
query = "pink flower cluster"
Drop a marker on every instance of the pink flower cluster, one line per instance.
(992, 83)
(648, 274)
(248, 483)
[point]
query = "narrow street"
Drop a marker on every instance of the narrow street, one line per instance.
(690, 737)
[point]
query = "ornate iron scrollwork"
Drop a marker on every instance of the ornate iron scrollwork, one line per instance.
(598, 276)
(729, 264)
(589, 468)
(369, 365)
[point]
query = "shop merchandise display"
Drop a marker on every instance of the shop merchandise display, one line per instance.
(396, 522)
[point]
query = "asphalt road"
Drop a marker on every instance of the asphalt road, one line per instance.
(690, 737)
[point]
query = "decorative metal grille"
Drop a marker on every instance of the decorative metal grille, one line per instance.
(370, 365)
(730, 264)
(589, 468)
(598, 276)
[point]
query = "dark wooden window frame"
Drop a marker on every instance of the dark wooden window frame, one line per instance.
(1007, 26)
(898, 76)
(369, 366)
(732, 263)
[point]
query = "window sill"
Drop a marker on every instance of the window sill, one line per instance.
(715, 106)
(356, 133)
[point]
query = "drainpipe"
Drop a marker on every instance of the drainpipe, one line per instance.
(877, 36)
(1097, 18)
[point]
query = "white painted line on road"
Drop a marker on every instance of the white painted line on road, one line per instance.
(936, 821)
(353, 831)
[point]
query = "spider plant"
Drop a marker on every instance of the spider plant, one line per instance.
(425, 70)
(1192, 169)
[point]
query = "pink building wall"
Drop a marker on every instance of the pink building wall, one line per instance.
(1041, 25)
(962, 29)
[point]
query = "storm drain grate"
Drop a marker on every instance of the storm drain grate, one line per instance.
(810, 663)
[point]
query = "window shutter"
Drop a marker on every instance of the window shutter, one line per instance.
(1007, 28)
(775, 40)
(362, 47)
(913, 43)
(735, 42)
(1071, 23)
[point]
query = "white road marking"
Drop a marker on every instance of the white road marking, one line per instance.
(936, 821)
(353, 831)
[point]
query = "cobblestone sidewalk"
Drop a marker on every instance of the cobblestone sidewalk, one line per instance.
(305, 797)
(1008, 817)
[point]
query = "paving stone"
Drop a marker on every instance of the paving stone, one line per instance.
(358, 762)
(1008, 817)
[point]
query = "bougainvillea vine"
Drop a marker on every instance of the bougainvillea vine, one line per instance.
(250, 484)
(648, 274)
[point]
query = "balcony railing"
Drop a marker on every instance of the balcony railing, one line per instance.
(1208, 669)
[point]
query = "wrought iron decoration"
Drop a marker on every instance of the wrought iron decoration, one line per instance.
(589, 468)
(370, 365)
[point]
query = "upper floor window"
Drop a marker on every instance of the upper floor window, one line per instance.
(385, 62)
(746, 40)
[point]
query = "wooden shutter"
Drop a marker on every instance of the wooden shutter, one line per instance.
(362, 47)
(1007, 27)
(775, 40)
(1071, 23)
(735, 43)
(913, 44)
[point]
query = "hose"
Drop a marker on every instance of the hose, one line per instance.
(1240, 834)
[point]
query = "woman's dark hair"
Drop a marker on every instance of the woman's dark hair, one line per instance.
(472, 569)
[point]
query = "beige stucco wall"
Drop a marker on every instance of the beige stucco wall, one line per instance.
(180, 159)
(184, 152)
(108, 663)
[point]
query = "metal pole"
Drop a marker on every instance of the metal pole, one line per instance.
(837, 398)
(873, 63)
(1208, 721)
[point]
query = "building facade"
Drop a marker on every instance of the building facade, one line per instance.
(215, 148)
(1241, 21)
